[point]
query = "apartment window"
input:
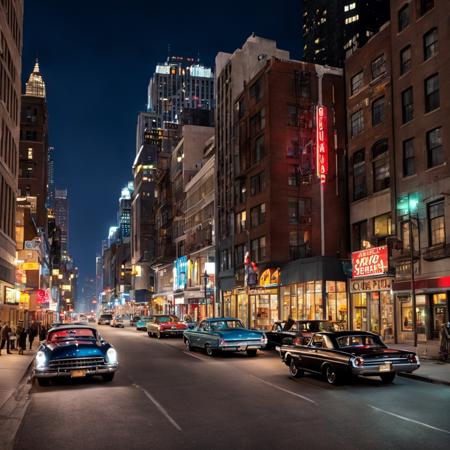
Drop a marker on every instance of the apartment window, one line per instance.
(430, 44)
(425, 6)
(405, 60)
(407, 105)
(378, 111)
(432, 93)
(255, 91)
(258, 215)
(240, 191)
(225, 259)
(359, 235)
(403, 18)
(258, 150)
(30, 153)
(359, 175)
(293, 116)
(298, 244)
(382, 225)
(378, 67)
(257, 183)
(435, 150)
(239, 254)
(293, 176)
(29, 173)
(380, 165)
(257, 122)
(357, 122)
(241, 219)
(436, 223)
(409, 167)
(293, 150)
(299, 210)
(357, 82)
(404, 233)
(258, 248)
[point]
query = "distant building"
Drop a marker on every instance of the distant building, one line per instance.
(124, 212)
(51, 179)
(33, 152)
(177, 84)
(61, 212)
(332, 29)
(11, 32)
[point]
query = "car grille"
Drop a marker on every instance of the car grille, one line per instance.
(76, 363)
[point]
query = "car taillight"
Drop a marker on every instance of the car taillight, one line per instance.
(412, 358)
(358, 361)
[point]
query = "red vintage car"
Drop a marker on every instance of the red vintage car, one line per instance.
(165, 325)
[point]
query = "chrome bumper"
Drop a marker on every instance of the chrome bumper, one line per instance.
(241, 346)
(375, 370)
(46, 373)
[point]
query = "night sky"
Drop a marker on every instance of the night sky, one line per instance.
(96, 58)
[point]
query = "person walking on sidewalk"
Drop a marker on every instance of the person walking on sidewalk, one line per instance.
(4, 334)
(445, 341)
(22, 339)
(32, 333)
(42, 333)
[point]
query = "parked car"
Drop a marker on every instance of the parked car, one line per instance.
(141, 324)
(74, 351)
(300, 332)
(165, 325)
(105, 319)
(224, 334)
(117, 322)
(134, 319)
(340, 354)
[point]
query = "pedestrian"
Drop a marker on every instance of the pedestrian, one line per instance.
(32, 333)
(445, 341)
(5, 335)
(22, 337)
(42, 333)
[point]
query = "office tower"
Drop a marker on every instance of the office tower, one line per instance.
(124, 212)
(61, 212)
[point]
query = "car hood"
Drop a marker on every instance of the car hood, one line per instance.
(368, 352)
(75, 349)
(239, 334)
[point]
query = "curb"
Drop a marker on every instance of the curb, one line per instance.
(424, 379)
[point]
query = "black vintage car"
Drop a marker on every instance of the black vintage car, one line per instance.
(299, 332)
(342, 354)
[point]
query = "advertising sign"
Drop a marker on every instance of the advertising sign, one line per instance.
(370, 262)
(322, 142)
(179, 273)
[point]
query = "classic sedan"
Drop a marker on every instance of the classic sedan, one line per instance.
(141, 324)
(74, 351)
(299, 332)
(341, 354)
(165, 325)
(224, 334)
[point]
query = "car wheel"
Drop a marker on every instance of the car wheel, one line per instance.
(331, 375)
(158, 334)
(188, 345)
(149, 334)
(251, 352)
(387, 378)
(294, 370)
(107, 377)
(43, 382)
(209, 351)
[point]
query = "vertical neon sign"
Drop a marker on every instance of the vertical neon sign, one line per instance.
(321, 142)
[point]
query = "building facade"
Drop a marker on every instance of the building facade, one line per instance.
(11, 34)
(61, 212)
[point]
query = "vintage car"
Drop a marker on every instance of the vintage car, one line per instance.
(343, 354)
(165, 325)
(224, 334)
(134, 319)
(74, 351)
(117, 322)
(299, 332)
(105, 319)
(141, 324)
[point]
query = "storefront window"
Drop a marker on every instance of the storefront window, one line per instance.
(233, 311)
(310, 300)
(273, 309)
(407, 314)
(286, 296)
(337, 302)
(387, 316)
(375, 312)
(227, 306)
(439, 313)
(301, 306)
(243, 308)
(360, 311)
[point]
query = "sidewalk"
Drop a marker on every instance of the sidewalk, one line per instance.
(12, 370)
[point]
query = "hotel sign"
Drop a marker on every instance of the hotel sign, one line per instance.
(322, 142)
(371, 262)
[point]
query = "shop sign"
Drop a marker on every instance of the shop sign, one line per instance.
(321, 142)
(11, 296)
(24, 300)
(376, 284)
(180, 267)
(370, 262)
(270, 277)
(30, 266)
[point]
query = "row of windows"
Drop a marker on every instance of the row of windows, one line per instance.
(13, 22)
(7, 207)
(8, 94)
(404, 13)
(381, 227)
(5, 55)
(8, 148)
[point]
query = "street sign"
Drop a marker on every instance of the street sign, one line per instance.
(370, 262)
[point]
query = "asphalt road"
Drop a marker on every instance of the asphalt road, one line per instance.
(164, 397)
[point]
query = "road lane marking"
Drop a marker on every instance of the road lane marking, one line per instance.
(285, 390)
(159, 406)
(196, 356)
(407, 419)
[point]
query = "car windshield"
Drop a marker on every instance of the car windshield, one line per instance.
(71, 334)
(106, 316)
(359, 341)
(164, 319)
(225, 324)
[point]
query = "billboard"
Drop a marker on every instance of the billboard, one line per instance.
(322, 142)
(370, 262)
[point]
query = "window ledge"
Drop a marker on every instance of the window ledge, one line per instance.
(439, 166)
(409, 177)
(428, 113)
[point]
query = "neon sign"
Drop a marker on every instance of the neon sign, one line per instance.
(322, 142)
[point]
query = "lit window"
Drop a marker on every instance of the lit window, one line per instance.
(436, 223)
(30, 153)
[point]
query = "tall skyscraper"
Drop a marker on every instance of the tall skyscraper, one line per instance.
(61, 211)
(11, 20)
(177, 84)
(333, 29)
(33, 149)
(124, 213)
(51, 178)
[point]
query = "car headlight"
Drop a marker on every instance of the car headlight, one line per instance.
(41, 359)
(111, 356)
